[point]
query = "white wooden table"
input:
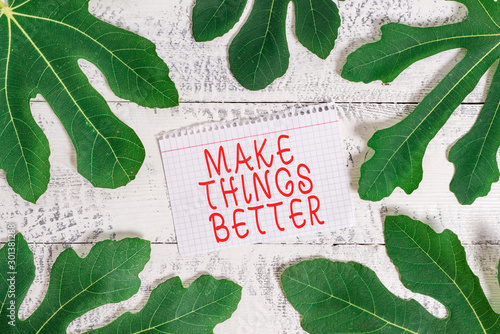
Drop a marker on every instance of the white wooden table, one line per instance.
(72, 213)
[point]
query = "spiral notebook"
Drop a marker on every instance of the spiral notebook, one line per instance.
(254, 181)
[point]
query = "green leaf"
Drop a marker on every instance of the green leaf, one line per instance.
(109, 274)
(399, 150)
(348, 297)
(335, 297)
(475, 154)
(17, 272)
(40, 44)
(435, 264)
(214, 18)
(174, 309)
(259, 52)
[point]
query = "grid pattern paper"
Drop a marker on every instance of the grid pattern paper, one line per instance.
(242, 182)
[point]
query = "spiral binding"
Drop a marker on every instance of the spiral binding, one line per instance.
(220, 125)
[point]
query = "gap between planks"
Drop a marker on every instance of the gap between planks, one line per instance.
(479, 243)
(281, 102)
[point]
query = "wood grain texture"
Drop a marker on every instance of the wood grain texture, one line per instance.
(73, 213)
(263, 308)
(201, 70)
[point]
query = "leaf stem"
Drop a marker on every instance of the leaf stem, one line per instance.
(2, 5)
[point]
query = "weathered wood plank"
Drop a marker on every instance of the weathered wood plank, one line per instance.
(74, 211)
(263, 308)
(201, 70)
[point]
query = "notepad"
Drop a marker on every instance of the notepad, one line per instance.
(254, 181)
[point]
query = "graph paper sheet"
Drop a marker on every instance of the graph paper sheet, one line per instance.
(242, 182)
